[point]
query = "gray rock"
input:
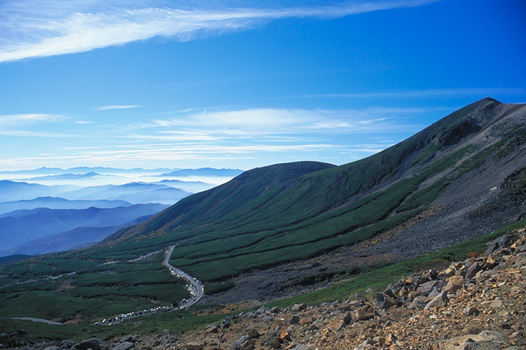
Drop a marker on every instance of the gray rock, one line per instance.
(66, 344)
(253, 333)
(123, 346)
(243, 343)
(213, 329)
(420, 302)
(131, 338)
(347, 318)
(298, 307)
(496, 304)
(499, 243)
(303, 347)
(389, 293)
(93, 343)
(294, 320)
(472, 271)
(520, 260)
(272, 340)
(438, 301)
(426, 288)
(53, 347)
(268, 319)
(486, 340)
(471, 310)
(385, 301)
(363, 314)
(225, 324)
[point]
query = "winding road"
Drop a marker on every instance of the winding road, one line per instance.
(194, 286)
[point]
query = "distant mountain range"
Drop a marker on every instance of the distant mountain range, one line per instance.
(188, 186)
(74, 239)
(134, 193)
(101, 170)
(19, 227)
(37, 218)
(67, 176)
(204, 172)
(105, 170)
(14, 191)
(59, 203)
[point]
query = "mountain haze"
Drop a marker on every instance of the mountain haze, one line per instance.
(21, 226)
(59, 203)
(76, 238)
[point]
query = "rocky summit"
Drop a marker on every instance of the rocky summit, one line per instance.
(478, 303)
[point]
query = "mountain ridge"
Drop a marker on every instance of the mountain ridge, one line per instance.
(351, 203)
(59, 203)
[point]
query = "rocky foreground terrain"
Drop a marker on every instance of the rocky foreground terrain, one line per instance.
(479, 303)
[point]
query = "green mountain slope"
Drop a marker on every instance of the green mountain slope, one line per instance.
(293, 211)
(457, 179)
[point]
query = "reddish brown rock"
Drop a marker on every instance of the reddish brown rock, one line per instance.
(454, 283)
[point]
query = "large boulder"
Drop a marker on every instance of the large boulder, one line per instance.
(93, 343)
(454, 283)
(499, 243)
(385, 300)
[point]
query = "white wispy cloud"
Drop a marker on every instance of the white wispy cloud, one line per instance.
(425, 93)
(33, 134)
(213, 135)
(32, 28)
(250, 133)
(273, 121)
(18, 119)
(111, 107)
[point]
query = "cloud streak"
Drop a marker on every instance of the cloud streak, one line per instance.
(211, 136)
(112, 107)
(18, 119)
(274, 121)
(452, 92)
(30, 30)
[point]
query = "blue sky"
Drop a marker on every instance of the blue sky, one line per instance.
(241, 84)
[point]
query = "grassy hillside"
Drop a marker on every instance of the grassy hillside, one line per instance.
(357, 281)
(288, 212)
(280, 213)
